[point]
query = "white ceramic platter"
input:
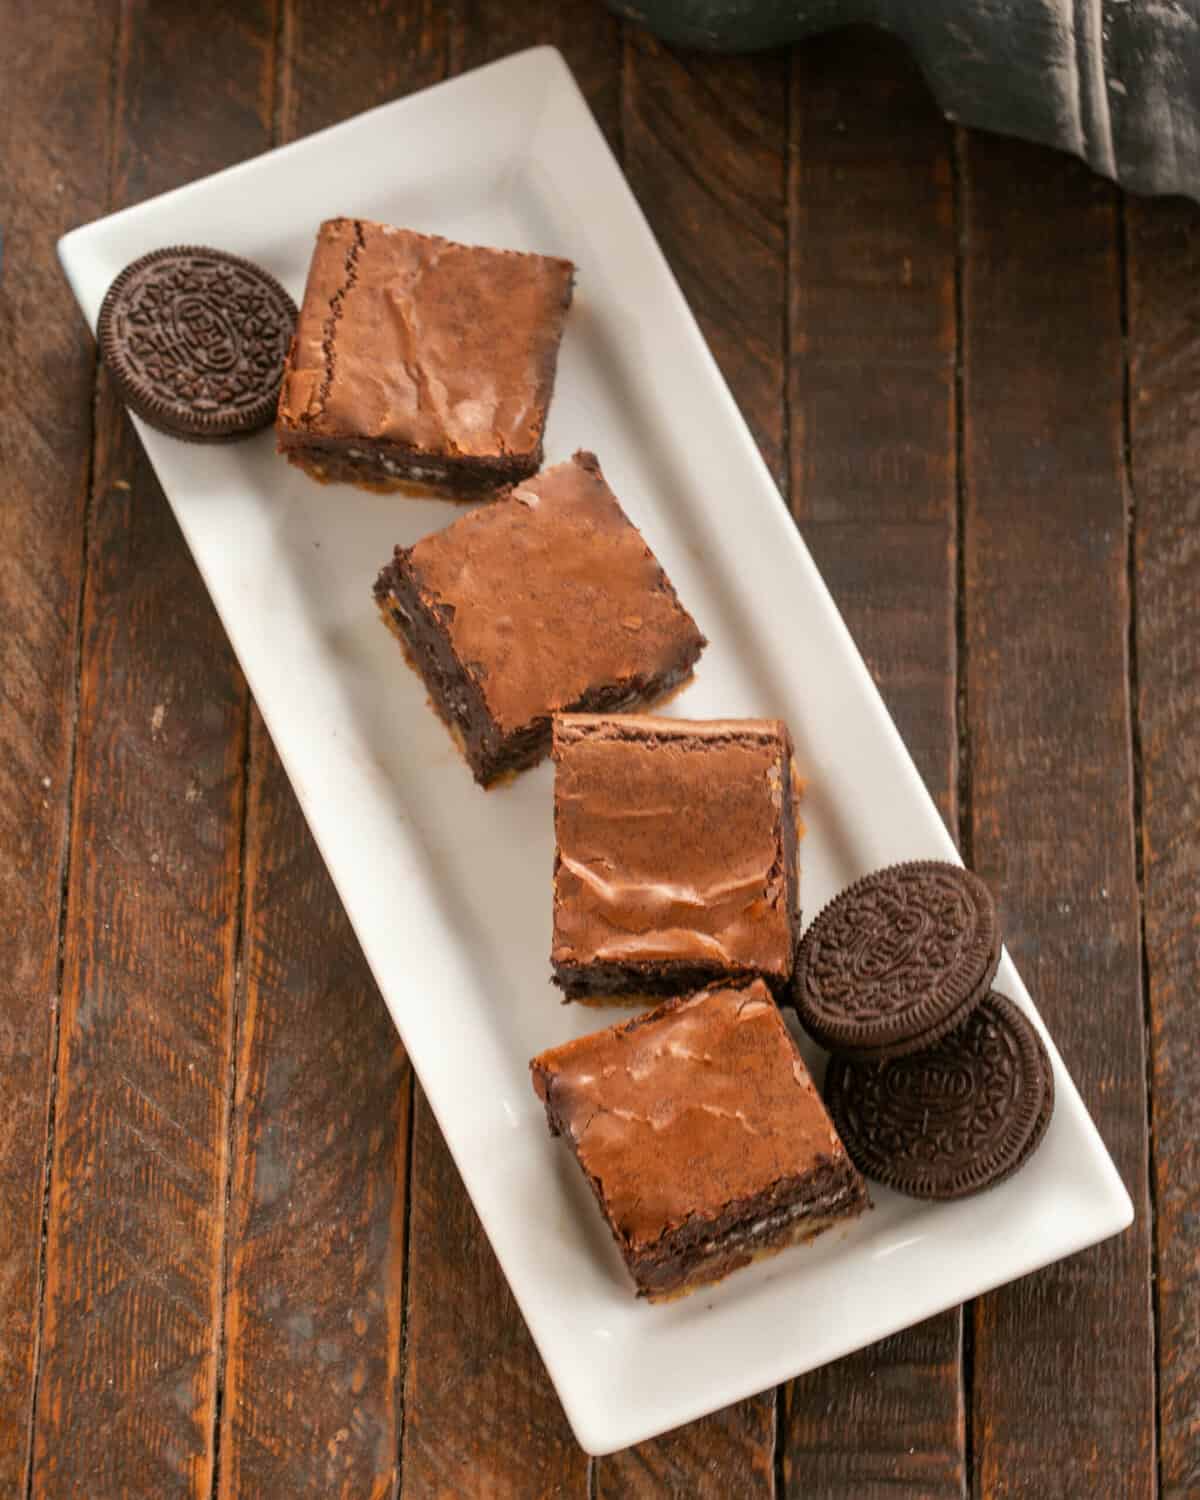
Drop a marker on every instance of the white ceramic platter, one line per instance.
(448, 887)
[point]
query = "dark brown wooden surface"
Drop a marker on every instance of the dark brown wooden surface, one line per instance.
(1050, 786)
(128, 1372)
(314, 1302)
(975, 371)
(55, 116)
(1163, 242)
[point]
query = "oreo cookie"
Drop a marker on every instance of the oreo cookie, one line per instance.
(897, 960)
(955, 1119)
(195, 341)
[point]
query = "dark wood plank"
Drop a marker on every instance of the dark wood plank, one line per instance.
(314, 1307)
(872, 406)
(468, 1348)
(728, 1456)
(1164, 331)
(885, 1421)
(339, 60)
(138, 1184)
(481, 1417)
(705, 141)
(53, 142)
(1063, 1401)
(705, 151)
(871, 393)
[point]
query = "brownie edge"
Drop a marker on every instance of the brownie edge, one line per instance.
(692, 825)
(701, 1135)
(421, 362)
(546, 600)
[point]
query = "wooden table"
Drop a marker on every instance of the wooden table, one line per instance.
(235, 1257)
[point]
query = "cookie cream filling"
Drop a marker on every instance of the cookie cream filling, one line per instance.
(824, 1206)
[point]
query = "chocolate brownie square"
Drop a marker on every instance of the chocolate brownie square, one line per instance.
(418, 361)
(548, 599)
(676, 861)
(701, 1135)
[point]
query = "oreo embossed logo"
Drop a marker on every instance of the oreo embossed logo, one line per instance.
(195, 340)
(930, 1085)
(897, 960)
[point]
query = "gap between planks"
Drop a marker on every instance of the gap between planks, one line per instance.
(110, 167)
(405, 1260)
(778, 1472)
(453, 65)
(278, 107)
(1138, 789)
(235, 1016)
(60, 929)
(962, 720)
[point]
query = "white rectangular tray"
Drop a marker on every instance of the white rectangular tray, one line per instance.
(448, 887)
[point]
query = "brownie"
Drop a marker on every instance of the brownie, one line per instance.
(548, 599)
(702, 1136)
(675, 862)
(419, 361)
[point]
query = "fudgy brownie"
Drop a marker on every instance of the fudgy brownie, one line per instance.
(548, 599)
(675, 862)
(702, 1136)
(419, 361)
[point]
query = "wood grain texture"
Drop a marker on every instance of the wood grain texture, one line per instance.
(872, 404)
(315, 1286)
(314, 1400)
(872, 380)
(481, 1420)
(728, 1456)
(481, 1417)
(705, 151)
(138, 1184)
(1164, 334)
(338, 60)
(885, 1421)
(1063, 1402)
(53, 142)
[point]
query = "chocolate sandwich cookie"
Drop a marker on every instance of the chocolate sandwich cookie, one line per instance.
(897, 960)
(952, 1120)
(195, 340)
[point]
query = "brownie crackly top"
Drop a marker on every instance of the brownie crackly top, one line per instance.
(415, 340)
(550, 590)
(700, 1105)
(672, 838)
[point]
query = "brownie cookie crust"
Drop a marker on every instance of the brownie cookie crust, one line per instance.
(701, 1135)
(420, 360)
(547, 600)
(675, 853)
